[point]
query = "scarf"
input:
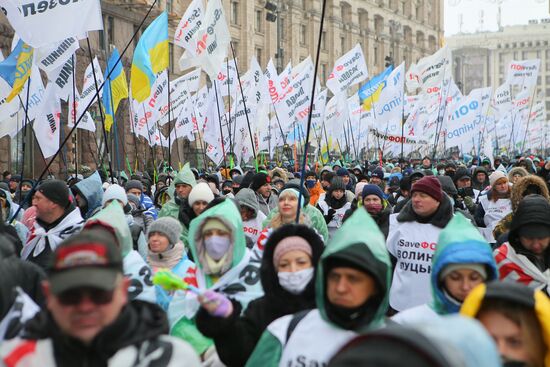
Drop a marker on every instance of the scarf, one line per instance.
(166, 259)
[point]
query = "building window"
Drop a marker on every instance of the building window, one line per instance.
(111, 31)
(259, 55)
(324, 40)
(303, 34)
(343, 44)
(258, 21)
(101, 36)
(235, 12)
(375, 55)
(324, 72)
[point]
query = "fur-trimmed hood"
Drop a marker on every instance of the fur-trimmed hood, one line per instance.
(519, 190)
(280, 172)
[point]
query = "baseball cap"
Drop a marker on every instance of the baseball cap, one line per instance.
(88, 259)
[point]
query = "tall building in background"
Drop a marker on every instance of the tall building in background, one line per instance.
(285, 30)
(481, 59)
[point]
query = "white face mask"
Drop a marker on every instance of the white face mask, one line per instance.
(295, 282)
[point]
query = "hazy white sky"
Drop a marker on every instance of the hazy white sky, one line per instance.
(513, 12)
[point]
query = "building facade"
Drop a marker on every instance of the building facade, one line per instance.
(481, 59)
(285, 30)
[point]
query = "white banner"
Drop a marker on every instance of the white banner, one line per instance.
(502, 100)
(523, 73)
(62, 78)
(189, 26)
(54, 56)
(349, 70)
(46, 126)
(389, 108)
(430, 70)
(42, 23)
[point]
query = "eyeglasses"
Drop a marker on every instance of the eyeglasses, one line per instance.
(74, 297)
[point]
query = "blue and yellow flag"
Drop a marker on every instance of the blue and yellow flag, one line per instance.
(370, 92)
(150, 57)
(16, 68)
(115, 89)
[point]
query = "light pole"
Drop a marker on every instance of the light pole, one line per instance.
(273, 15)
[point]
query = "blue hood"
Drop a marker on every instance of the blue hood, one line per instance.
(92, 189)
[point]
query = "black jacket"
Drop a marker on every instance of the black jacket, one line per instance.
(382, 218)
(138, 322)
(236, 337)
(440, 218)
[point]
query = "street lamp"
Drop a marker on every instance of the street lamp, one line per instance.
(272, 15)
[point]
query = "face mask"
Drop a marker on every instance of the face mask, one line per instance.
(373, 208)
(310, 183)
(217, 246)
(441, 172)
(226, 192)
(295, 282)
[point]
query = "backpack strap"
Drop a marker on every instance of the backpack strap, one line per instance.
(296, 318)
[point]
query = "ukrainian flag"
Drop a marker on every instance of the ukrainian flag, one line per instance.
(150, 57)
(115, 88)
(370, 92)
(16, 68)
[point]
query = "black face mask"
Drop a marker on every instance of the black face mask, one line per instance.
(352, 318)
(226, 192)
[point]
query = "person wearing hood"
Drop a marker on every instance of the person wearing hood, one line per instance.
(516, 174)
(88, 319)
(20, 195)
(309, 214)
(480, 179)
(313, 187)
(8, 210)
(467, 195)
(412, 240)
(56, 219)
(419, 345)
(352, 282)
(251, 215)
(236, 171)
(525, 258)
(166, 251)
(334, 204)
(287, 274)
(135, 187)
(516, 317)
(223, 264)
(279, 173)
(528, 185)
(462, 260)
(494, 205)
(179, 193)
(112, 220)
(88, 195)
(267, 198)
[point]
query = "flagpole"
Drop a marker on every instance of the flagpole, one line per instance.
(23, 145)
(244, 105)
(528, 118)
(220, 122)
(85, 110)
(149, 142)
(74, 111)
(101, 110)
(229, 107)
(169, 120)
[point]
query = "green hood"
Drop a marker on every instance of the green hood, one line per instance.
(459, 243)
(361, 241)
(228, 213)
(185, 176)
(114, 216)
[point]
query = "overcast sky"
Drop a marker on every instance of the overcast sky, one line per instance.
(513, 12)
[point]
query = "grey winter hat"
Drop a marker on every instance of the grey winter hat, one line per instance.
(167, 226)
(133, 184)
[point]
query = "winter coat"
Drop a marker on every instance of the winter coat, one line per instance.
(382, 219)
(333, 210)
(92, 190)
(240, 282)
(515, 262)
(44, 238)
(527, 185)
(458, 243)
(267, 205)
(412, 242)
(252, 227)
(135, 337)
(321, 333)
(515, 294)
(235, 337)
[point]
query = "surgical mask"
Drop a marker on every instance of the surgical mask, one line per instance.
(217, 246)
(295, 282)
(310, 184)
(374, 208)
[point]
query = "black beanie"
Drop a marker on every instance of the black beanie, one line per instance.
(56, 191)
(259, 180)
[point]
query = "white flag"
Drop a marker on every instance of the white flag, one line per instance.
(189, 26)
(389, 108)
(62, 77)
(54, 56)
(523, 73)
(42, 23)
(502, 100)
(212, 40)
(349, 70)
(46, 126)
(430, 70)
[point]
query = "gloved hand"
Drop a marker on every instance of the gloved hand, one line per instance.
(216, 304)
(329, 215)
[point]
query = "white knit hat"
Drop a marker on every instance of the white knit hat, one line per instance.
(200, 192)
(495, 176)
(115, 192)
